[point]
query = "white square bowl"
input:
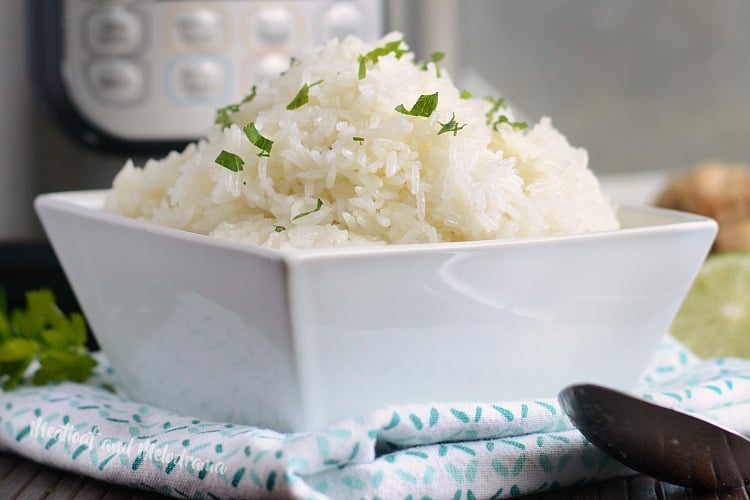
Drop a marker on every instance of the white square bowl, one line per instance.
(296, 340)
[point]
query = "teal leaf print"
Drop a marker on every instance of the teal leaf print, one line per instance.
(271, 480)
(547, 406)
(499, 467)
(429, 473)
(471, 470)
(563, 461)
(352, 455)
(504, 412)
(354, 483)
(416, 421)
(24, 432)
(322, 444)
(395, 419)
(434, 417)
(515, 491)
(465, 449)
(463, 417)
(478, 414)
(405, 476)
(238, 476)
(377, 479)
(454, 472)
(518, 466)
(545, 463)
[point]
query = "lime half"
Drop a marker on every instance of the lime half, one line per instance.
(714, 319)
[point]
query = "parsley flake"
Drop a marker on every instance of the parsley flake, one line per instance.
(223, 115)
(302, 96)
(278, 229)
(434, 58)
(263, 143)
(450, 126)
(424, 106)
(230, 161)
(374, 55)
(360, 140)
(304, 214)
(494, 120)
(465, 94)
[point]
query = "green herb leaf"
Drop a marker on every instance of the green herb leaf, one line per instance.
(278, 229)
(504, 119)
(434, 58)
(303, 214)
(358, 139)
(495, 121)
(496, 105)
(262, 143)
(465, 94)
(223, 115)
(56, 366)
(374, 55)
(424, 106)
(230, 161)
(41, 331)
(450, 126)
(302, 96)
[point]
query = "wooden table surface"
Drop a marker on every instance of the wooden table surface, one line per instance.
(23, 479)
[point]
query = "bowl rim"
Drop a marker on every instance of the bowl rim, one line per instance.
(88, 204)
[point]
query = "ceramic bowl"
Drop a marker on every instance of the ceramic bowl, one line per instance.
(296, 340)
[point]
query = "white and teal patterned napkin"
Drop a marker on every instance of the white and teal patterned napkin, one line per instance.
(443, 450)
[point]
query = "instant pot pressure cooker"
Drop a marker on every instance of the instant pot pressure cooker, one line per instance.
(145, 76)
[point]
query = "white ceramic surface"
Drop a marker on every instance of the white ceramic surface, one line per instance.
(296, 340)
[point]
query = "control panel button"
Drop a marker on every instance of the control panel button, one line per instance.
(267, 67)
(114, 30)
(274, 26)
(117, 81)
(199, 29)
(200, 78)
(342, 19)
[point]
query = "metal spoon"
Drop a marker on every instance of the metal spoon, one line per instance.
(667, 444)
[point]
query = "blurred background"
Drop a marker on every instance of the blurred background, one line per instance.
(645, 86)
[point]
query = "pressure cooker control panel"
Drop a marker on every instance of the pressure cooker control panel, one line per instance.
(156, 70)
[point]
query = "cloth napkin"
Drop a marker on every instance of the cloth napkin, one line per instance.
(442, 450)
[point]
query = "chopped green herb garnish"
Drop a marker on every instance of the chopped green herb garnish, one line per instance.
(302, 96)
(230, 161)
(424, 106)
(263, 143)
(500, 119)
(358, 139)
(465, 94)
(303, 214)
(504, 119)
(278, 229)
(435, 57)
(292, 62)
(496, 104)
(43, 333)
(450, 126)
(223, 114)
(375, 54)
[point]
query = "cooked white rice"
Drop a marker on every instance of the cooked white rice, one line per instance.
(381, 176)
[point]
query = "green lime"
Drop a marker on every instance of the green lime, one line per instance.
(714, 319)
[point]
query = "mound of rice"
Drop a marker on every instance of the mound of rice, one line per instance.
(347, 168)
